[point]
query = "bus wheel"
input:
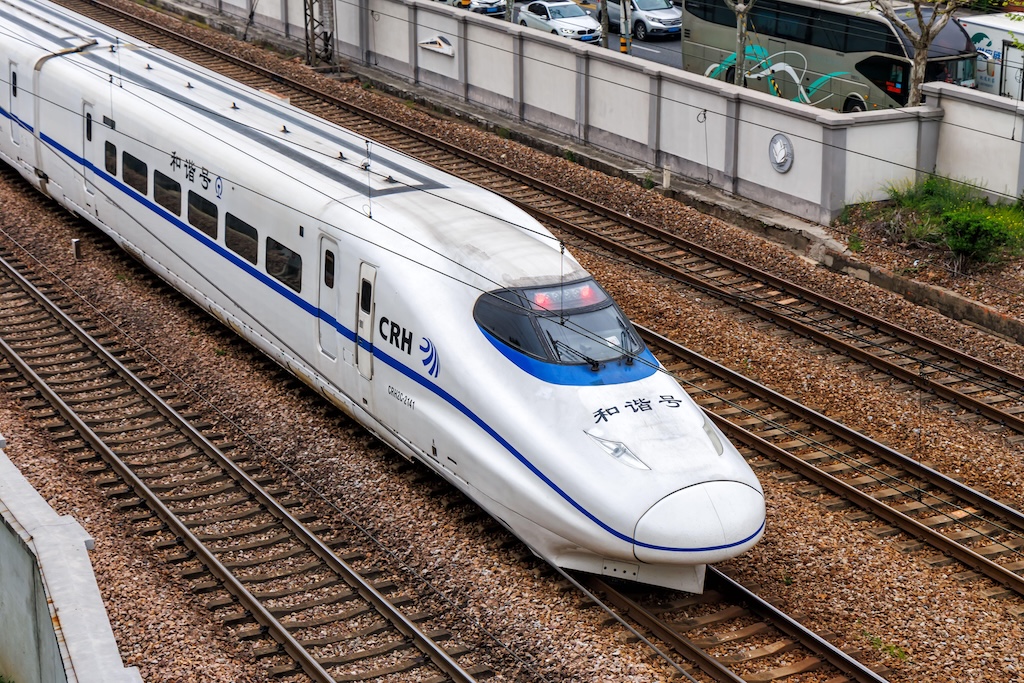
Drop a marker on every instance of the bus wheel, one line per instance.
(854, 103)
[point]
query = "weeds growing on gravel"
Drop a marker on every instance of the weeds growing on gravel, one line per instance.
(889, 649)
(946, 213)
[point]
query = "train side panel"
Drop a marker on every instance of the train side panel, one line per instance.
(18, 106)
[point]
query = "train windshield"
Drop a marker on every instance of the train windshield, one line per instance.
(575, 323)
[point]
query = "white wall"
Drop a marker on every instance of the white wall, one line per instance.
(980, 138)
(882, 152)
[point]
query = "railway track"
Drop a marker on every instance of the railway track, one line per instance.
(956, 378)
(322, 608)
(730, 635)
(954, 520)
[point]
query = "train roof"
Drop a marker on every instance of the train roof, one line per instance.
(422, 210)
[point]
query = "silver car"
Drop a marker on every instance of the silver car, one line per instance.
(650, 18)
(565, 19)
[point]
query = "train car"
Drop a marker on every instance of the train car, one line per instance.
(443, 318)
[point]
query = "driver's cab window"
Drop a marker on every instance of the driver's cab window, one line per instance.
(572, 324)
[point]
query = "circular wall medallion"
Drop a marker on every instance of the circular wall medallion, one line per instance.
(780, 153)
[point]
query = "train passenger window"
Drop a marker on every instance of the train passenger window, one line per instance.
(110, 158)
(365, 296)
(241, 238)
(284, 264)
(329, 268)
(167, 192)
(135, 172)
(88, 127)
(202, 214)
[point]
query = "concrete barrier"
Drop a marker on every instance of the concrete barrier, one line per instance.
(53, 626)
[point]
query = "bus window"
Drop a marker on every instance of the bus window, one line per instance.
(828, 31)
(889, 75)
(762, 18)
(793, 23)
(865, 35)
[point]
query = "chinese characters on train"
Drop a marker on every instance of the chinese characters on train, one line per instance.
(637, 405)
(195, 173)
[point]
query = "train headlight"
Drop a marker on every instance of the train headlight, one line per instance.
(709, 429)
(620, 452)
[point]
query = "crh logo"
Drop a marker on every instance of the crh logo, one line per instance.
(431, 362)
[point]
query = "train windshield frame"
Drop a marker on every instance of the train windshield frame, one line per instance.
(575, 323)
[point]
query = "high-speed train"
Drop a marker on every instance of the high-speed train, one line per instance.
(440, 316)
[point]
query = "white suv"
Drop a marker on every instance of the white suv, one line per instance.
(650, 18)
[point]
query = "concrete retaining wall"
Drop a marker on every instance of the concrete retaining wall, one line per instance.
(53, 626)
(665, 118)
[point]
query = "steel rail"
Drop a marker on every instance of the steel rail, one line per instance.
(857, 497)
(812, 641)
(678, 642)
(768, 612)
(437, 655)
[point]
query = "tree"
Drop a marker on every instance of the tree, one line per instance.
(930, 20)
(741, 10)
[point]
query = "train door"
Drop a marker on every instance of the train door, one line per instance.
(364, 328)
(88, 155)
(14, 103)
(328, 300)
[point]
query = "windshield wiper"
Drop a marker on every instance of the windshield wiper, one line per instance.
(627, 352)
(557, 343)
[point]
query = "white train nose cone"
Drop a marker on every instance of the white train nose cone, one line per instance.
(707, 522)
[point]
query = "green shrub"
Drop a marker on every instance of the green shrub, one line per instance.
(973, 235)
(940, 212)
(935, 195)
(1012, 217)
(854, 242)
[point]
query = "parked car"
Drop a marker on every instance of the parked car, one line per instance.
(480, 6)
(565, 19)
(650, 18)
